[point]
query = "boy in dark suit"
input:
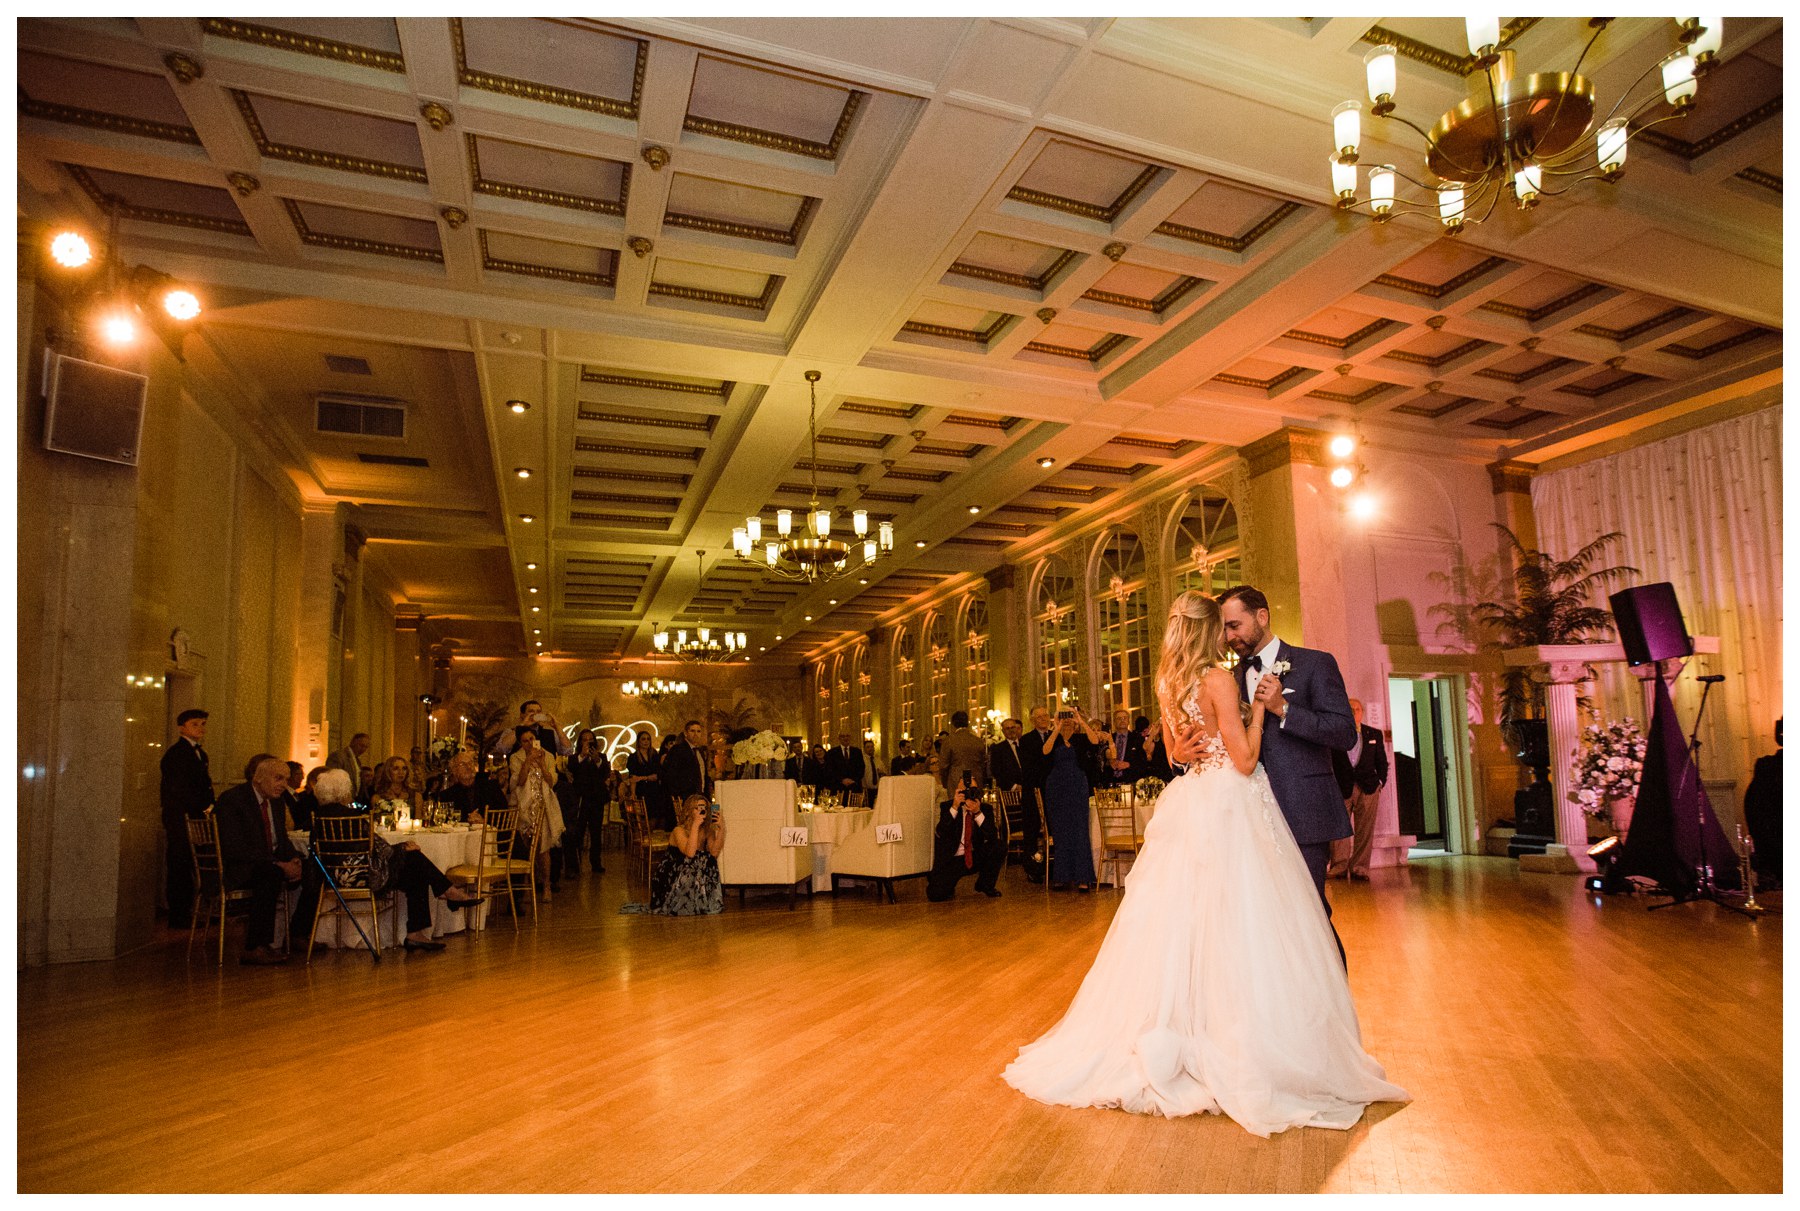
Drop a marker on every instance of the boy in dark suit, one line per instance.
(187, 791)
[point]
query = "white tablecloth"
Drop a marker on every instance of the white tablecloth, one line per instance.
(450, 847)
(826, 829)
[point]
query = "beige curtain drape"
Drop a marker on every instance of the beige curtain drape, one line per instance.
(1703, 511)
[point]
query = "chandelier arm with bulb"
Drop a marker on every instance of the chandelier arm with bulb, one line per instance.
(1426, 135)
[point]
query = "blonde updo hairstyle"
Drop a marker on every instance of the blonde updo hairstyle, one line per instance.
(1193, 643)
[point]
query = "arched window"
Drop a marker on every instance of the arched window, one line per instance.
(906, 673)
(937, 650)
(1207, 554)
(975, 658)
(859, 689)
(843, 711)
(1054, 609)
(1122, 608)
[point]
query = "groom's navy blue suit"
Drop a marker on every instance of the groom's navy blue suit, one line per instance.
(1296, 752)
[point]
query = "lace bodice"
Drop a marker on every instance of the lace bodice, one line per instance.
(1212, 754)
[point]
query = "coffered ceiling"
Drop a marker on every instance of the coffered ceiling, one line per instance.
(1103, 244)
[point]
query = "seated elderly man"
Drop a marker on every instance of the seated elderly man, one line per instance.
(255, 851)
(966, 843)
(468, 791)
(402, 869)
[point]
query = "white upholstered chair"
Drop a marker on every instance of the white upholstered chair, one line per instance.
(909, 800)
(754, 812)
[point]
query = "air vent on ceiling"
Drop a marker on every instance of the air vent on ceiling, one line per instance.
(338, 364)
(392, 460)
(362, 415)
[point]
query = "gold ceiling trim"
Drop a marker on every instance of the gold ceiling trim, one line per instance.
(1171, 294)
(314, 157)
(789, 236)
(826, 467)
(686, 454)
(553, 273)
(1434, 361)
(973, 336)
(508, 86)
(963, 540)
(1521, 376)
(1002, 423)
(621, 521)
(153, 214)
(1624, 380)
(1092, 355)
(1696, 353)
(1443, 60)
(1087, 467)
(1756, 176)
(878, 442)
(1022, 280)
(1051, 512)
(95, 119)
(548, 197)
(604, 416)
(321, 239)
(653, 384)
(922, 477)
(700, 295)
(1340, 342)
(1396, 282)
(1231, 243)
(1344, 397)
(893, 498)
(668, 503)
(1271, 384)
(1534, 314)
(1169, 446)
(1662, 140)
(898, 413)
(804, 489)
(1435, 413)
(966, 451)
(638, 477)
(777, 141)
(1019, 528)
(1074, 493)
(1525, 417)
(1639, 328)
(1086, 210)
(319, 48)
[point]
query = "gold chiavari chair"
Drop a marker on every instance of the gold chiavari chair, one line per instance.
(496, 866)
(855, 798)
(346, 847)
(644, 844)
(1011, 819)
(210, 892)
(1120, 840)
(1043, 834)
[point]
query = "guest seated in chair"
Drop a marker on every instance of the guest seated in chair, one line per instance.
(255, 851)
(469, 791)
(686, 881)
(966, 843)
(403, 869)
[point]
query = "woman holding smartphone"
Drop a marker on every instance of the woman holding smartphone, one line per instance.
(686, 881)
(1073, 749)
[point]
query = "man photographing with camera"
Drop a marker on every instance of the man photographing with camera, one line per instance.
(534, 718)
(966, 843)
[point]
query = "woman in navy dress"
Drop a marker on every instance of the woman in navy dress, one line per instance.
(1073, 753)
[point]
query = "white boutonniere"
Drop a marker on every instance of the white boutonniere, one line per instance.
(1279, 668)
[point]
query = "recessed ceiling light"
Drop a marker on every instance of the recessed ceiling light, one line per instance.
(919, 543)
(777, 639)
(1046, 463)
(974, 508)
(537, 609)
(518, 405)
(535, 631)
(864, 580)
(762, 649)
(522, 472)
(533, 589)
(527, 518)
(834, 601)
(531, 567)
(809, 618)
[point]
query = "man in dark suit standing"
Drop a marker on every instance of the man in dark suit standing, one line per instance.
(966, 842)
(187, 791)
(1361, 773)
(256, 853)
(1304, 695)
(687, 770)
(1008, 771)
(1128, 762)
(1035, 768)
(844, 767)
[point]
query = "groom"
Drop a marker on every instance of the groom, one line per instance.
(1309, 716)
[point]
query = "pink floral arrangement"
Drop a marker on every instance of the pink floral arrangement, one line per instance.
(1608, 764)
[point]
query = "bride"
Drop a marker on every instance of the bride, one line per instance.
(1219, 987)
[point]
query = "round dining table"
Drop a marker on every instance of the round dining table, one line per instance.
(446, 845)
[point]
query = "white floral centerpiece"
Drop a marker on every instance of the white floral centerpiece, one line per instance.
(441, 750)
(764, 748)
(1607, 768)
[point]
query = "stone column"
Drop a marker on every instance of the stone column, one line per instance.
(1005, 638)
(1512, 500)
(1565, 728)
(1299, 533)
(319, 652)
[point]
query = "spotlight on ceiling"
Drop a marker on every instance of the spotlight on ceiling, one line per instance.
(71, 250)
(181, 304)
(1342, 446)
(522, 472)
(1046, 463)
(527, 518)
(919, 543)
(518, 405)
(1341, 477)
(1362, 506)
(118, 327)
(531, 567)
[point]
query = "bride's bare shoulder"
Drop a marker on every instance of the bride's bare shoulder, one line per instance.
(1217, 681)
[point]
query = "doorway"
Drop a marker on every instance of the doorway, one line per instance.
(1427, 784)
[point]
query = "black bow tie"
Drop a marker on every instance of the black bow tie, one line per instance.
(1256, 662)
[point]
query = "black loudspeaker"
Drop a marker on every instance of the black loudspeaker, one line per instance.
(1650, 624)
(93, 410)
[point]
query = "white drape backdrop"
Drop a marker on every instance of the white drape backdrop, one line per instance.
(1703, 511)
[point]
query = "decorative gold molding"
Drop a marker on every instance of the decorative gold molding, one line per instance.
(454, 216)
(879, 441)
(608, 379)
(686, 454)
(321, 48)
(1086, 210)
(435, 115)
(607, 278)
(1395, 282)
(1696, 353)
(184, 69)
(1285, 446)
(1443, 60)
(1231, 243)
(152, 214)
(641, 477)
(1173, 447)
(640, 246)
(1021, 280)
(745, 231)
(656, 157)
(973, 336)
(923, 477)
(668, 503)
(1450, 355)
(1523, 376)
(1525, 417)
(697, 294)
(1534, 314)
(316, 158)
(94, 119)
(1756, 176)
(1171, 294)
(1087, 467)
(792, 144)
(1087, 494)
(1361, 397)
(1003, 423)
(244, 183)
(1630, 379)
(894, 412)
(702, 424)
(945, 450)
(1639, 328)
(892, 498)
(827, 467)
(1272, 384)
(548, 94)
(547, 197)
(321, 239)
(1341, 342)
(622, 521)
(1511, 476)
(1046, 314)
(1444, 409)
(1662, 140)
(1092, 356)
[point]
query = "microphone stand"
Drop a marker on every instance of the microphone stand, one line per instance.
(1705, 890)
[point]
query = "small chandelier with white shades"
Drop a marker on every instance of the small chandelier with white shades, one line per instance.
(1517, 134)
(706, 645)
(812, 555)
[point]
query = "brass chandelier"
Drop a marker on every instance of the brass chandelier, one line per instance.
(706, 645)
(813, 555)
(653, 690)
(1514, 132)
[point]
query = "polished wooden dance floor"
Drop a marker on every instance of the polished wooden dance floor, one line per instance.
(1550, 1044)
